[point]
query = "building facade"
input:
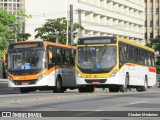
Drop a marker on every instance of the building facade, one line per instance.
(123, 18)
(152, 21)
(11, 6)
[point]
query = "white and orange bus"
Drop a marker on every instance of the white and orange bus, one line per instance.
(115, 63)
(41, 65)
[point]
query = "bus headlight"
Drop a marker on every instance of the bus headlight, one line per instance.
(78, 75)
(10, 79)
(41, 77)
(114, 73)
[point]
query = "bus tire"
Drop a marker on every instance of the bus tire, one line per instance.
(123, 88)
(58, 88)
(86, 89)
(138, 89)
(24, 90)
(114, 89)
(144, 88)
(81, 89)
(90, 88)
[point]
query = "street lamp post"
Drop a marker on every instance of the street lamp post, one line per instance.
(158, 33)
(67, 17)
(15, 28)
(56, 33)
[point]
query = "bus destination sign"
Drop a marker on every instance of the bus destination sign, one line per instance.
(26, 45)
(97, 40)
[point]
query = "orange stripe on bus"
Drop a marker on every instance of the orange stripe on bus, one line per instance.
(130, 65)
(152, 70)
(53, 69)
(33, 77)
(27, 77)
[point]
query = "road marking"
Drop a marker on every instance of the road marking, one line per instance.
(137, 102)
(98, 110)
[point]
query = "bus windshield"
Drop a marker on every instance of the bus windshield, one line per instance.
(26, 59)
(96, 59)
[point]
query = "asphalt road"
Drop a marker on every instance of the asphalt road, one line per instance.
(90, 104)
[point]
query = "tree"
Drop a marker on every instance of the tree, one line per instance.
(21, 17)
(11, 29)
(6, 33)
(54, 28)
(155, 43)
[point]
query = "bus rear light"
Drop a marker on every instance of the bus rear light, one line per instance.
(114, 73)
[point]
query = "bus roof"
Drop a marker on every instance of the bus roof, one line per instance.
(135, 44)
(45, 43)
(58, 44)
(110, 40)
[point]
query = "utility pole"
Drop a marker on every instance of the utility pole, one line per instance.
(79, 22)
(71, 24)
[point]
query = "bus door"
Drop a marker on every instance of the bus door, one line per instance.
(51, 54)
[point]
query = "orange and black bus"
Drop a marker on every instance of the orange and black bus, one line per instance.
(41, 65)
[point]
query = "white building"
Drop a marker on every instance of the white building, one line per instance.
(124, 18)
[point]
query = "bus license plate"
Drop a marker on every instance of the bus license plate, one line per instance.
(24, 83)
(95, 83)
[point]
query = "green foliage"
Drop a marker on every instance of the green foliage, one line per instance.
(155, 43)
(48, 31)
(11, 28)
(18, 26)
(6, 32)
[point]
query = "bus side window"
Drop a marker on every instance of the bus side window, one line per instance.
(51, 57)
(63, 52)
(72, 56)
(120, 54)
(149, 59)
(59, 56)
(67, 56)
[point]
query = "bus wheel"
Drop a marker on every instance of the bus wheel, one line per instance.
(86, 89)
(123, 88)
(90, 88)
(138, 89)
(114, 89)
(24, 90)
(58, 88)
(144, 88)
(81, 89)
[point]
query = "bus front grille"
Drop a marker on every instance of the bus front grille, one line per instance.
(95, 80)
(23, 82)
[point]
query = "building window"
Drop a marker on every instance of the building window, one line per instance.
(151, 35)
(5, 4)
(150, 11)
(145, 23)
(145, 35)
(157, 23)
(151, 23)
(157, 10)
